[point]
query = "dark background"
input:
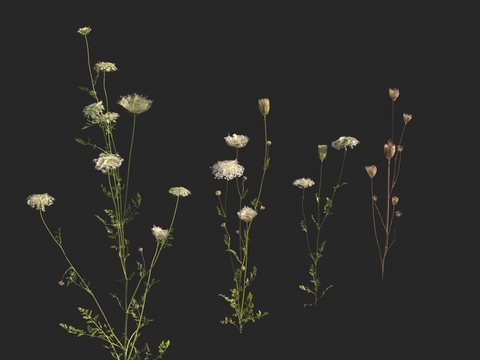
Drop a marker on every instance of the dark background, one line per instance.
(326, 70)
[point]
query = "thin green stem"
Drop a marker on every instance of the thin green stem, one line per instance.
(130, 160)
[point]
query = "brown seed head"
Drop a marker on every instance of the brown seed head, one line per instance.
(371, 170)
(375, 197)
(407, 118)
(393, 93)
(394, 200)
(389, 149)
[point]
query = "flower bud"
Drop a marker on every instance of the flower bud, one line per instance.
(389, 149)
(264, 106)
(371, 170)
(394, 200)
(407, 118)
(218, 193)
(375, 197)
(322, 152)
(398, 213)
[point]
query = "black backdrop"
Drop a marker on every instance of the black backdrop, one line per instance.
(326, 70)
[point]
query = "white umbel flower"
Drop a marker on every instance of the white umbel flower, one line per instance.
(107, 162)
(159, 233)
(85, 30)
(345, 141)
(103, 66)
(179, 191)
(94, 110)
(304, 183)
(136, 104)
(39, 201)
(227, 169)
(236, 141)
(246, 214)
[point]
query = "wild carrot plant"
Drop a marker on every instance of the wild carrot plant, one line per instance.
(390, 220)
(131, 305)
(315, 247)
(239, 299)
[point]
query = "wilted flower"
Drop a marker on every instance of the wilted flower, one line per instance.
(237, 141)
(94, 110)
(264, 106)
(107, 162)
(136, 104)
(393, 93)
(371, 170)
(344, 141)
(39, 201)
(159, 233)
(103, 66)
(394, 200)
(227, 169)
(247, 214)
(407, 118)
(179, 191)
(322, 152)
(84, 30)
(304, 183)
(389, 149)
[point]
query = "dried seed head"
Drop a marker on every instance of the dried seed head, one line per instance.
(393, 93)
(398, 213)
(375, 197)
(394, 200)
(389, 149)
(407, 118)
(400, 148)
(371, 170)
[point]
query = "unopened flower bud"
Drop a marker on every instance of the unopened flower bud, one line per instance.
(269, 143)
(140, 249)
(264, 106)
(61, 283)
(322, 152)
(394, 200)
(393, 93)
(243, 268)
(389, 149)
(262, 207)
(375, 197)
(218, 193)
(371, 170)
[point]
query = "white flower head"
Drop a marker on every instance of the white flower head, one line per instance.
(39, 201)
(103, 66)
(159, 233)
(246, 214)
(237, 141)
(179, 191)
(227, 169)
(94, 110)
(345, 141)
(107, 162)
(304, 183)
(85, 30)
(136, 104)
(107, 118)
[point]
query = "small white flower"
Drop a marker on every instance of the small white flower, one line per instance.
(179, 191)
(85, 30)
(159, 233)
(107, 162)
(108, 117)
(136, 104)
(39, 201)
(304, 183)
(344, 141)
(227, 169)
(94, 110)
(103, 66)
(237, 141)
(247, 214)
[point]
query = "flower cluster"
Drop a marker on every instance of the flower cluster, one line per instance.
(304, 183)
(159, 233)
(227, 169)
(246, 214)
(135, 104)
(39, 201)
(236, 141)
(94, 110)
(103, 66)
(179, 191)
(85, 30)
(345, 141)
(107, 162)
